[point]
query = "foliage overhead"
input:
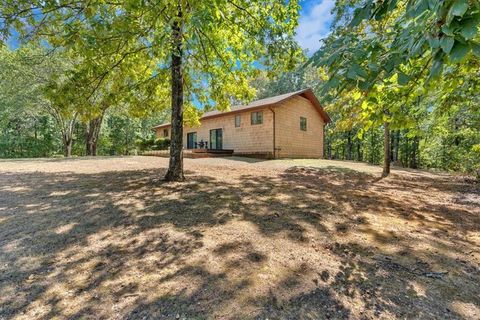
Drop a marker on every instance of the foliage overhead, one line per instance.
(375, 40)
(225, 43)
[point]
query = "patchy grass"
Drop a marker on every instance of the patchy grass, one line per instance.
(285, 239)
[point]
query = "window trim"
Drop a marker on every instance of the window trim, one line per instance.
(252, 117)
(165, 133)
(302, 128)
(239, 117)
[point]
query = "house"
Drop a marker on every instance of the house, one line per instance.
(290, 125)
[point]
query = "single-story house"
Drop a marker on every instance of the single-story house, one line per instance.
(290, 125)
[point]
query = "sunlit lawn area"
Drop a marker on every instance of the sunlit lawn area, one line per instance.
(240, 239)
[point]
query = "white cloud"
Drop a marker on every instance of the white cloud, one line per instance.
(315, 25)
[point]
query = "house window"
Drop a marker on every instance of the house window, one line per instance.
(237, 121)
(303, 124)
(257, 117)
(165, 132)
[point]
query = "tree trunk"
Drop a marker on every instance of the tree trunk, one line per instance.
(67, 127)
(67, 144)
(92, 134)
(386, 149)
(392, 146)
(329, 150)
(397, 143)
(35, 129)
(414, 162)
(359, 151)
(175, 168)
(372, 146)
(406, 158)
(349, 145)
(67, 136)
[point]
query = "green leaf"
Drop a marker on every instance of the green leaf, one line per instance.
(432, 4)
(373, 66)
(356, 71)
(476, 49)
(359, 15)
(365, 85)
(381, 11)
(417, 48)
(392, 5)
(416, 8)
(421, 7)
(437, 67)
(356, 96)
(469, 29)
(359, 71)
(333, 82)
(433, 42)
(447, 44)
(351, 74)
(447, 30)
(459, 51)
(403, 79)
(332, 59)
(459, 8)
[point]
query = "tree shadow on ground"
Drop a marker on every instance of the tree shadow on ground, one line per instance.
(247, 159)
(306, 243)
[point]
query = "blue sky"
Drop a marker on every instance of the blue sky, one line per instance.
(314, 23)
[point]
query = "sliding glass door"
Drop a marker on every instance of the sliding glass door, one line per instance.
(216, 139)
(191, 140)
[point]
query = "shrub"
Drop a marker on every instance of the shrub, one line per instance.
(162, 144)
(145, 144)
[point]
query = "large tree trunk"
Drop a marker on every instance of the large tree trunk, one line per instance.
(92, 134)
(175, 168)
(386, 148)
(67, 126)
(67, 145)
(67, 135)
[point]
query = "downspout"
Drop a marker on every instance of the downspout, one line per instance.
(274, 148)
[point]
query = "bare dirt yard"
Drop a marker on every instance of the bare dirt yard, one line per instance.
(287, 239)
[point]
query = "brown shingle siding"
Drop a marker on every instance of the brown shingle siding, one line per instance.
(290, 140)
(246, 138)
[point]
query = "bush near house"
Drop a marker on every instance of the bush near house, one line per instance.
(149, 144)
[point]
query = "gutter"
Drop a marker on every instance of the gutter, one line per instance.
(274, 147)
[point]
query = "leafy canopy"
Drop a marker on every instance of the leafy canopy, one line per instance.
(377, 39)
(225, 42)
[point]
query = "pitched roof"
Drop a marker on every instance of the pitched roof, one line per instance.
(267, 102)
